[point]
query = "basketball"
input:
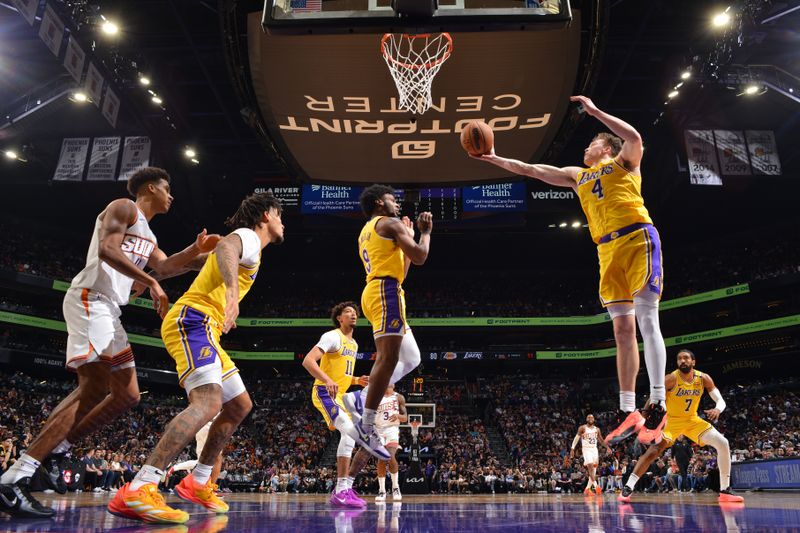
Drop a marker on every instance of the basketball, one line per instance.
(477, 137)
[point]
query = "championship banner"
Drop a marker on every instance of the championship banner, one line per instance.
(111, 107)
(72, 160)
(135, 156)
(763, 152)
(74, 59)
(27, 8)
(52, 30)
(494, 198)
(701, 153)
(323, 199)
(94, 84)
(104, 158)
(732, 152)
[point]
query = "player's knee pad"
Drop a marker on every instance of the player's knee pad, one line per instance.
(409, 351)
(346, 445)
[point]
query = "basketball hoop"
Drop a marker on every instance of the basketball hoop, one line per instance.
(415, 424)
(413, 61)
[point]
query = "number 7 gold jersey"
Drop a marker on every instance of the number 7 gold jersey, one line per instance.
(611, 198)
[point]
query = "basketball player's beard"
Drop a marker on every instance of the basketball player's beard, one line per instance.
(684, 369)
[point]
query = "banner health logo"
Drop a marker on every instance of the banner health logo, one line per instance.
(315, 187)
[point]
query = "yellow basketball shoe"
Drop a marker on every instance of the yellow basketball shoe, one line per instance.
(145, 504)
(204, 495)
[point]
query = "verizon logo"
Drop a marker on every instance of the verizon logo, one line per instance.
(553, 195)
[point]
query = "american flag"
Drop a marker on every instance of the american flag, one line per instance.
(306, 6)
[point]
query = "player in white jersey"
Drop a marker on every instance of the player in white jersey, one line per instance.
(589, 435)
(122, 246)
(391, 412)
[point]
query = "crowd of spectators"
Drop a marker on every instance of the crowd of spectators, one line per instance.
(691, 269)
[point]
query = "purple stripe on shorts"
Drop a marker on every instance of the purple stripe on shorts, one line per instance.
(656, 279)
(391, 297)
(194, 324)
(327, 402)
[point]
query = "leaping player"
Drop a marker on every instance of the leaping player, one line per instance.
(684, 390)
(629, 251)
(589, 435)
(391, 413)
(387, 249)
(332, 362)
(98, 350)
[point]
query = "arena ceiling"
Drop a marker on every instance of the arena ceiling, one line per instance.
(180, 45)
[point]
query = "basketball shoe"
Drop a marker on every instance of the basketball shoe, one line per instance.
(628, 425)
(598, 490)
(16, 500)
(727, 496)
(204, 495)
(625, 495)
(371, 442)
(396, 496)
(145, 504)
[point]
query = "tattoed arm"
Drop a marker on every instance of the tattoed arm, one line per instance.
(228, 252)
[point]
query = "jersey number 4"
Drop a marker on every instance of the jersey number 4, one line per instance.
(597, 190)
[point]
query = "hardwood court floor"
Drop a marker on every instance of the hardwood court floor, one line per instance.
(84, 513)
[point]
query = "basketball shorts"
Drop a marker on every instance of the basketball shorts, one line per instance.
(192, 340)
(691, 428)
(384, 304)
(630, 264)
(590, 456)
(389, 435)
(329, 407)
(94, 331)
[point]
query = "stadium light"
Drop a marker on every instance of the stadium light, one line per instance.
(686, 74)
(751, 89)
(673, 94)
(144, 80)
(109, 27)
(679, 86)
(11, 154)
(189, 152)
(79, 97)
(562, 225)
(721, 20)
(195, 161)
(576, 224)
(156, 99)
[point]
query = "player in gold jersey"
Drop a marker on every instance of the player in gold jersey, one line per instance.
(629, 252)
(332, 362)
(684, 389)
(191, 332)
(387, 249)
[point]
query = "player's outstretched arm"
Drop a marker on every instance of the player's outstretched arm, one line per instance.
(311, 364)
(560, 177)
(180, 262)
(632, 147)
(713, 391)
(228, 254)
(117, 217)
(417, 252)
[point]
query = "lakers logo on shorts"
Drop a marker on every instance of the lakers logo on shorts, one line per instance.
(334, 411)
(395, 324)
(205, 353)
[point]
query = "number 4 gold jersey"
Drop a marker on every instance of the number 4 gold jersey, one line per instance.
(611, 198)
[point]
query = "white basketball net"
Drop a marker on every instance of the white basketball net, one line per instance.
(413, 61)
(415, 429)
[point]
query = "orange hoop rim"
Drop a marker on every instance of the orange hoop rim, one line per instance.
(412, 36)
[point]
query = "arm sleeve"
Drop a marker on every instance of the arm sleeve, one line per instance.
(575, 441)
(717, 397)
(251, 247)
(329, 342)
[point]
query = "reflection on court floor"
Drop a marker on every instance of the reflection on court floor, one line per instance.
(86, 513)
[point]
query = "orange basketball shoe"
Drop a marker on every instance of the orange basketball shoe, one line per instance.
(629, 425)
(204, 495)
(598, 490)
(726, 496)
(145, 504)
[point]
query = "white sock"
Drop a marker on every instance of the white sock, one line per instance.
(63, 446)
(341, 485)
(368, 420)
(395, 480)
(655, 352)
(201, 473)
(349, 482)
(627, 401)
(147, 475)
(382, 484)
(24, 467)
(632, 481)
(720, 443)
